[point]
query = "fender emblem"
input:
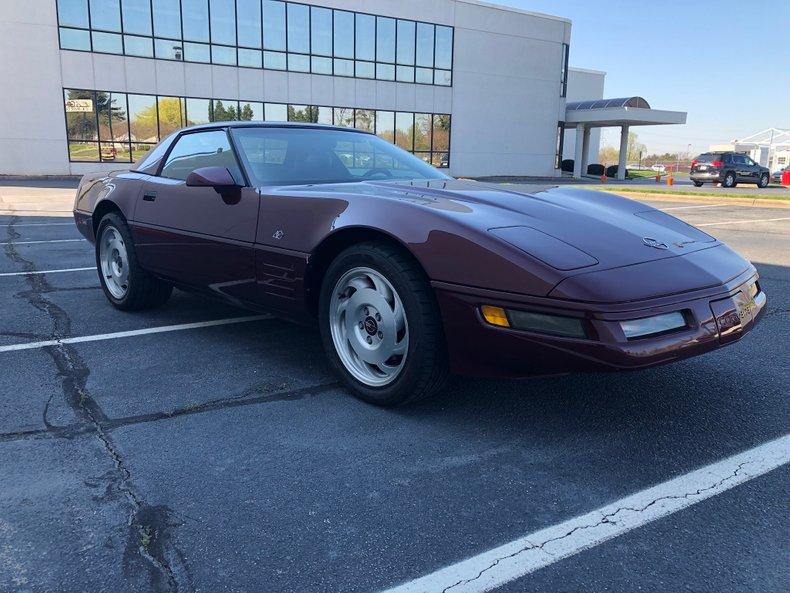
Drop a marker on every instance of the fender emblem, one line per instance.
(278, 234)
(650, 242)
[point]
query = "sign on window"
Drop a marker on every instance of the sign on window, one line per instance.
(79, 105)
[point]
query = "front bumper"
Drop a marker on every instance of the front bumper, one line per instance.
(715, 318)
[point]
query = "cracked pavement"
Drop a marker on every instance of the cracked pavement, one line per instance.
(228, 459)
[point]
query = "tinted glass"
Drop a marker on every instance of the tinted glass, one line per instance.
(273, 24)
(106, 15)
(385, 125)
(198, 111)
(136, 16)
(249, 23)
(344, 116)
(167, 18)
(344, 34)
(709, 157)
(197, 52)
(201, 149)
(405, 42)
(444, 47)
(365, 119)
(385, 39)
(276, 112)
(298, 28)
(321, 31)
(171, 117)
(142, 118)
(75, 39)
(80, 115)
(300, 113)
(277, 156)
(223, 110)
(195, 20)
(109, 43)
(404, 130)
(250, 111)
(223, 22)
(113, 120)
(73, 13)
(422, 131)
(138, 46)
(425, 44)
(365, 37)
(323, 115)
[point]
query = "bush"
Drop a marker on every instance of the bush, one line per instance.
(595, 169)
(567, 165)
(612, 171)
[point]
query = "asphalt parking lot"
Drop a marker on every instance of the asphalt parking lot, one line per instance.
(160, 451)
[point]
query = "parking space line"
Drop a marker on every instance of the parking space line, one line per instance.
(46, 271)
(743, 221)
(36, 242)
(695, 207)
(528, 554)
(37, 224)
(132, 333)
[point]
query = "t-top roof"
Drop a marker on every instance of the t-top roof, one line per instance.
(608, 103)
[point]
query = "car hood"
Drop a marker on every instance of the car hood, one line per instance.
(568, 229)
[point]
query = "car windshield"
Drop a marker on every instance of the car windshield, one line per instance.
(297, 156)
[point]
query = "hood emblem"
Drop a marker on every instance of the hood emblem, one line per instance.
(655, 243)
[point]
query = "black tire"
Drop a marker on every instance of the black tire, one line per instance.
(697, 183)
(144, 290)
(729, 180)
(764, 180)
(426, 366)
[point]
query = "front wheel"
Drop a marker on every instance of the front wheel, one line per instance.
(126, 285)
(764, 180)
(380, 325)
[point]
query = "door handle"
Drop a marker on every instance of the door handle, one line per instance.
(149, 196)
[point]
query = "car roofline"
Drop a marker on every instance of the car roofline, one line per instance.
(269, 124)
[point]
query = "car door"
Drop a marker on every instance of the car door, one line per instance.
(199, 236)
(742, 170)
(754, 170)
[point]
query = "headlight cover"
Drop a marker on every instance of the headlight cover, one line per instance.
(649, 326)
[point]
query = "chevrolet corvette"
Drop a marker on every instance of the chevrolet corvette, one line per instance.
(410, 274)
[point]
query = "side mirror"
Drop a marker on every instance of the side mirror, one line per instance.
(217, 177)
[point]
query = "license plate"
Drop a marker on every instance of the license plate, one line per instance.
(746, 307)
(702, 168)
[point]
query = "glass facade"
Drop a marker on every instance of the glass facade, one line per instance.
(262, 34)
(105, 126)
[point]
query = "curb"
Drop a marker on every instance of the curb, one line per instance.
(756, 202)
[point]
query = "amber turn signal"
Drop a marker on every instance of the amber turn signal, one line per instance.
(495, 315)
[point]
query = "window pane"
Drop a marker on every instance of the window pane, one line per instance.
(201, 149)
(365, 119)
(298, 31)
(197, 52)
(274, 60)
(425, 44)
(115, 152)
(195, 20)
(222, 54)
(405, 73)
(298, 62)
(274, 25)
(323, 115)
(249, 23)
(75, 39)
(321, 65)
(136, 16)
(223, 110)
(321, 31)
(198, 111)
(168, 49)
(105, 14)
(404, 130)
(73, 13)
(138, 46)
(441, 132)
(250, 58)
(84, 151)
(423, 75)
(444, 47)
(442, 77)
(365, 37)
(108, 43)
(344, 34)
(344, 67)
(300, 113)
(405, 42)
(385, 125)
(142, 118)
(422, 131)
(167, 18)
(250, 111)
(140, 150)
(385, 39)
(385, 72)
(170, 116)
(365, 70)
(276, 112)
(80, 109)
(223, 22)
(344, 116)
(113, 122)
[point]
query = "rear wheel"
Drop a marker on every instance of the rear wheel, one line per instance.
(697, 183)
(729, 180)
(126, 285)
(764, 180)
(380, 325)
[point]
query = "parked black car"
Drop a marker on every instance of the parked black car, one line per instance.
(729, 169)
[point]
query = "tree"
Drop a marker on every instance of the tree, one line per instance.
(608, 155)
(635, 148)
(246, 113)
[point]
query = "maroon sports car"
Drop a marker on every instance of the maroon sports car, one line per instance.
(411, 274)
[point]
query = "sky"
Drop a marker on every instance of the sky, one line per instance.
(725, 62)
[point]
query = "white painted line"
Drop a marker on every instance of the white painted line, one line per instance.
(39, 224)
(537, 550)
(743, 221)
(694, 207)
(132, 333)
(36, 242)
(47, 271)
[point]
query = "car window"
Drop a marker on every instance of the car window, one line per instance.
(296, 156)
(201, 149)
(708, 157)
(739, 159)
